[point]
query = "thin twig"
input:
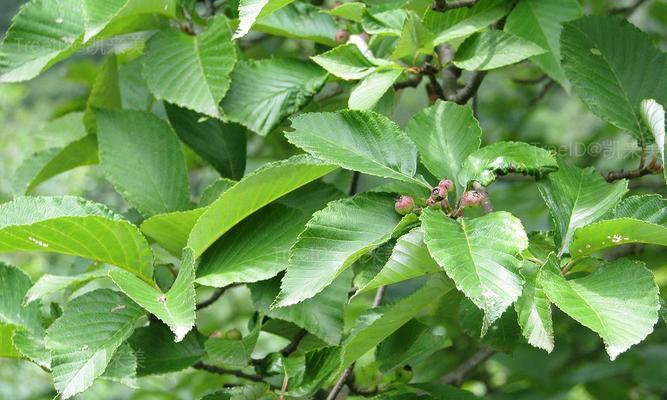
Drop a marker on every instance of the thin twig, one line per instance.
(210, 8)
(441, 5)
(215, 296)
(338, 386)
(543, 92)
(223, 371)
(628, 10)
(354, 185)
(412, 81)
(650, 169)
(457, 376)
(294, 344)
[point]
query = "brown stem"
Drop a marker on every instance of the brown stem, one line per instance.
(294, 344)
(354, 185)
(650, 169)
(338, 386)
(469, 90)
(215, 296)
(457, 376)
(223, 371)
(441, 5)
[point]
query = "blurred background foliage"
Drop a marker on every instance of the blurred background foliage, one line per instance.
(36, 115)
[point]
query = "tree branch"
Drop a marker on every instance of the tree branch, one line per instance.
(650, 169)
(442, 6)
(469, 90)
(215, 296)
(379, 295)
(294, 344)
(457, 376)
(223, 371)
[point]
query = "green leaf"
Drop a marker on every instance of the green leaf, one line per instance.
(615, 232)
(368, 92)
(409, 259)
(160, 354)
(388, 22)
(171, 230)
(254, 250)
(253, 192)
(312, 197)
(346, 62)
(176, 308)
(223, 145)
(464, 21)
(480, 255)
(334, 238)
(74, 226)
(233, 352)
(379, 323)
(85, 338)
(351, 142)
(353, 11)
(191, 71)
(264, 92)
(577, 197)
(46, 164)
(445, 134)
(156, 181)
(596, 50)
(215, 190)
(534, 311)
(653, 115)
(42, 33)
(321, 315)
(14, 284)
(99, 14)
(415, 39)
(250, 10)
(134, 90)
(32, 347)
(650, 208)
(540, 21)
(502, 158)
(300, 21)
(493, 49)
(411, 342)
(122, 367)
(104, 93)
(48, 284)
(619, 301)
(7, 346)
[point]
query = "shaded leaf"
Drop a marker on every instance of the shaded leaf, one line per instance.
(154, 181)
(223, 145)
(264, 92)
(493, 49)
(596, 50)
(233, 352)
(368, 92)
(540, 21)
(653, 115)
(464, 21)
(346, 62)
(300, 21)
(254, 250)
(99, 14)
(534, 311)
(14, 284)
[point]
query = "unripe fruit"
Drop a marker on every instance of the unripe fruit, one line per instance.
(438, 192)
(471, 199)
(342, 36)
(404, 205)
(233, 334)
(446, 185)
